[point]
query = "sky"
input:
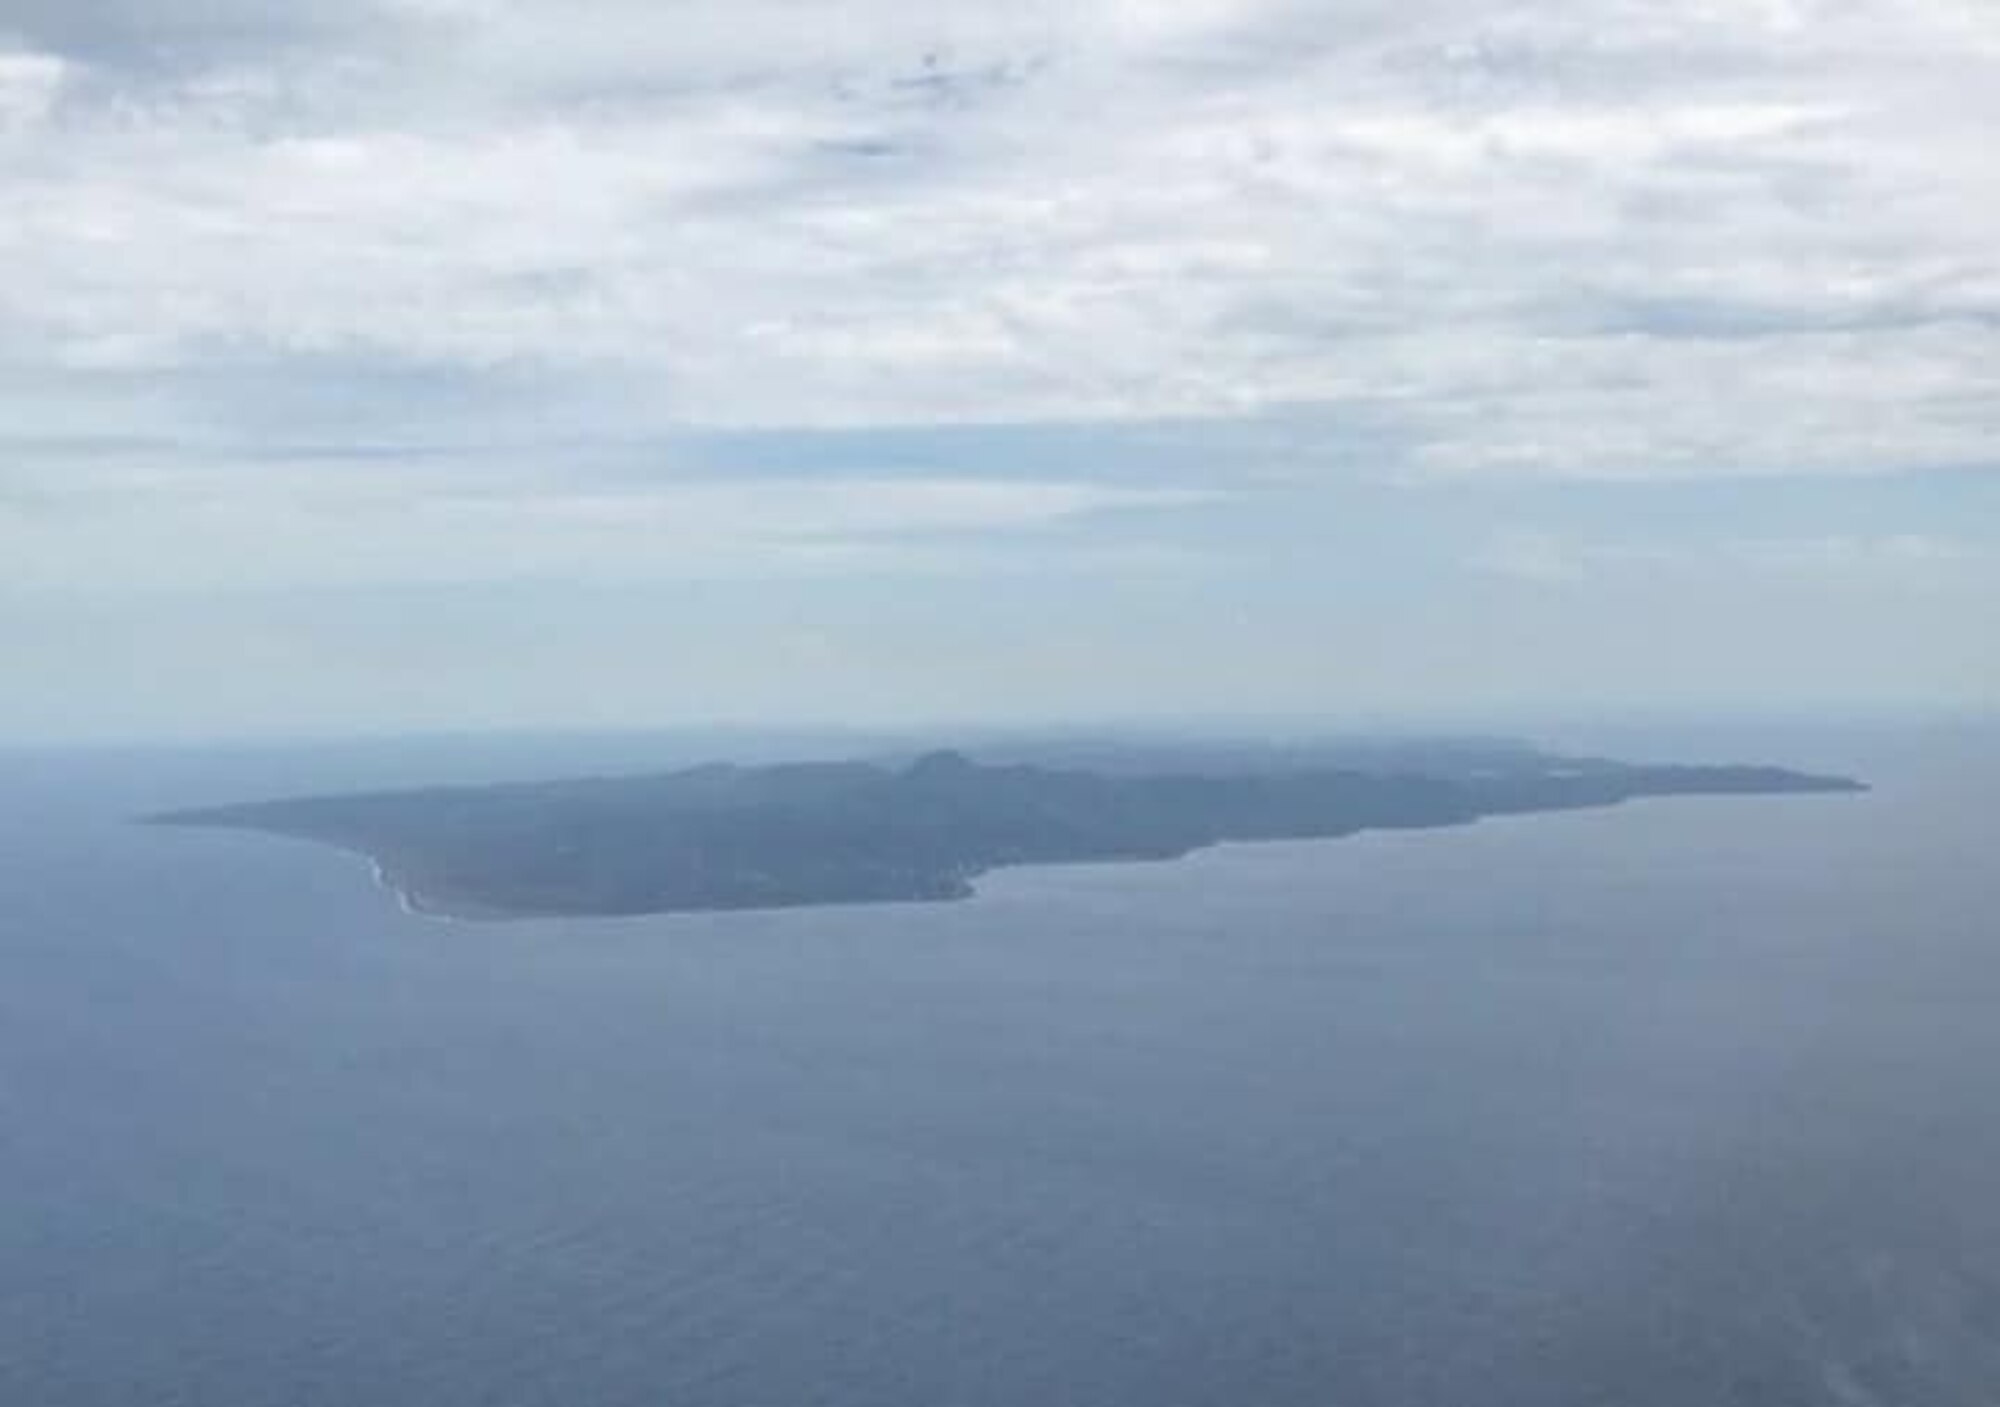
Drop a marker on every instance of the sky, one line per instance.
(476, 364)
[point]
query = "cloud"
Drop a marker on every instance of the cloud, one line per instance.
(1887, 558)
(1593, 238)
(1908, 554)
(1530, 556)
(135, 524)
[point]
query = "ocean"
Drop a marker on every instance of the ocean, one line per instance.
(1689, 1101)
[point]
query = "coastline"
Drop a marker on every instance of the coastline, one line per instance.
(405, 901)
(968, 889)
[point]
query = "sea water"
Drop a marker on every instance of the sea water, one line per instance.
(1687, 1101)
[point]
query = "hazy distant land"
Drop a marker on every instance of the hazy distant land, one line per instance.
(734, 837)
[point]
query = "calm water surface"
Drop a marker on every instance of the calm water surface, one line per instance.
(1689, 1102)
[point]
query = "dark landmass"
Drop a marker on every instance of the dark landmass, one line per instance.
(731, 837)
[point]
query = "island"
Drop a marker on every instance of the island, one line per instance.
(724, 836)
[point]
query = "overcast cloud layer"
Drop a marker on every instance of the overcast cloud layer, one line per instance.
(455, 292)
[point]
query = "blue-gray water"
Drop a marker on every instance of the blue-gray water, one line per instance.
(1689, 1102)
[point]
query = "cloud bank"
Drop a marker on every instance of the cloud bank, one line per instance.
(1254, 327)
